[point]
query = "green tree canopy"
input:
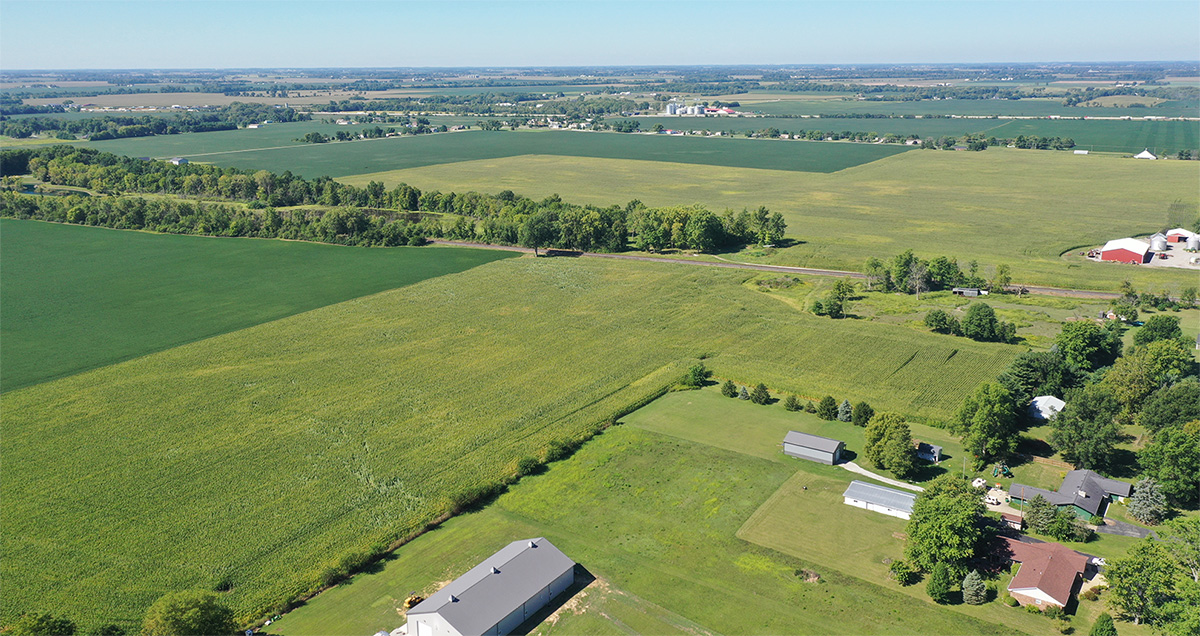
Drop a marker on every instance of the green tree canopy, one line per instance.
(1086, 432)
(1158, 327)
(944, 527)
(862, 414)
(940, 584)
(1170, 406)
(827, 409)
(974, 591)
(760, 395)
(1147, 504)
(39, 624)
(1173, 460)
(1143, 582)
(1086, 345)
(988, 421)
(188, 613)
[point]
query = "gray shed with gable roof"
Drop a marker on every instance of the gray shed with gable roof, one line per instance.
(813, 447)
(498, 595)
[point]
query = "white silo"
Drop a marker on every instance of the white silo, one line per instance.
(1158, 243)
(1193, 242)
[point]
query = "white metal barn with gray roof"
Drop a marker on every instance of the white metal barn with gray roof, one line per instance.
(496, 596)
(888, 501)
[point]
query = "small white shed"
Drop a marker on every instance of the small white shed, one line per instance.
(1045, 407)
(888, 501)
(813, 447)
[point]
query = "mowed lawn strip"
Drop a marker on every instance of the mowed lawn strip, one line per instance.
(397, 153)
(655, 519)
(264, 456)
(1023, 208)
(76, 297)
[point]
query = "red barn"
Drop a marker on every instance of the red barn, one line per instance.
(1126, 250)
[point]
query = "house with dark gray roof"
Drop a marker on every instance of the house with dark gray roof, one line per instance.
(1083, 491)
(888, 501)
(498, 595)
(929, 452)
(813, 447)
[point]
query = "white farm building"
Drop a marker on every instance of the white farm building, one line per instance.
(813, 447)
(498, 595)
(888, 501)
(1045, 407)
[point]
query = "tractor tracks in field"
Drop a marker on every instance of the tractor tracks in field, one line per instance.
(783, 269)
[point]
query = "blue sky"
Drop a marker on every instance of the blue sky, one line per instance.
(221, 34)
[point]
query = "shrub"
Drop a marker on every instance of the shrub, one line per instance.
(743, 394)
(1063, 625)
(695, 376)
(809, 407)
(939, 321)
(1033, 609)
(792, 403)
(1103, 626)
(729, 389)
(1010, 601)
(1054, 611)
(1090, 594)
(760, 395)
(904, 573)
(827, 409)
(939, 585)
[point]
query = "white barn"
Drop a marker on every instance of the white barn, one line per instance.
(498, 595)
(1145, 154)
(888, 501)
(813, 447)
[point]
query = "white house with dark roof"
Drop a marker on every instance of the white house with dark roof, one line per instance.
(498, 595)
(813, 447)
(1045, 407)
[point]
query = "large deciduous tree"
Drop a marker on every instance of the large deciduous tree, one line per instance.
(944, 527)
(188, 613)
(1158, 327)
(1141, 583)
(1173, 460)
(1086, 431)
(987, 421)
(1087, 346)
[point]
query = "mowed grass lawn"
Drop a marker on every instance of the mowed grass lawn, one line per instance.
(1023, 208)
(397, 153)
(76, 298)
(655, 519)
(262, 457)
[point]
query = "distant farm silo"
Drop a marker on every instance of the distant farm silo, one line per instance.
(1193, 243)
(1158, 244)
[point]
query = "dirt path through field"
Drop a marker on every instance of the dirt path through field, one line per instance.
(785, 269)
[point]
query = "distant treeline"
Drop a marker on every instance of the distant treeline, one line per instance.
(371, 215)
(119, 126)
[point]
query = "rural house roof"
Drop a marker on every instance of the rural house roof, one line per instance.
(1082, 488)
(1049, 567)
(490, 591)
(1180, 231)
(1131, 244)
(929, 449)
(815, 442)
(881, 496)
(1046, 406)
(1145, 154)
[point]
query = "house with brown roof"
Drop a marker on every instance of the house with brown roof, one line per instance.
(1049, 573)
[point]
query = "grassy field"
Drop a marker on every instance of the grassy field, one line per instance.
(1163, 137)
(76, 298)
(262, 457)
(233, 148)
(656, 573)
(745, 525)
(1019, 207)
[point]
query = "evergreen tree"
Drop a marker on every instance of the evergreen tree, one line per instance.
(729, 389)
(827, 409)
(760, 394)
(1040, 514)
(845, 411)
(809, 407)
(1103, 626)
(743, 394)
(940, 582)
(792, 403)
(1148, 504)
(974, 591)
(862, 414)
